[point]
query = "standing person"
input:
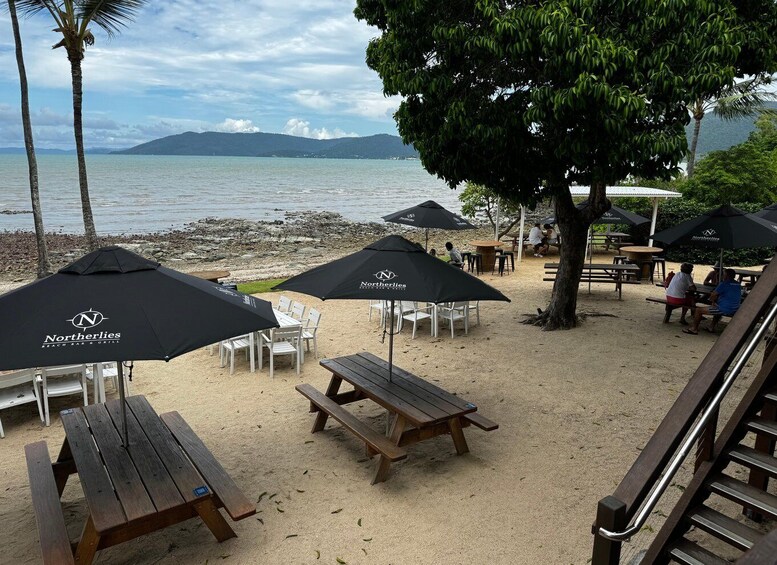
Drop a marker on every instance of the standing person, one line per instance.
(679, 292)
(724, 300)
(537, 239)
(455, 255)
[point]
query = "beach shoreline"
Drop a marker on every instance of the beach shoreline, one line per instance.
(249, 250)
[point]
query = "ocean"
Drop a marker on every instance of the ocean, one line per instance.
(145, 193)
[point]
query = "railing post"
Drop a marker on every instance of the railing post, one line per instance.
(610, 515)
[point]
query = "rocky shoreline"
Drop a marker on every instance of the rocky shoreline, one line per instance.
(250, 250)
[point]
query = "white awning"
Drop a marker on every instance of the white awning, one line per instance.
(627, 192)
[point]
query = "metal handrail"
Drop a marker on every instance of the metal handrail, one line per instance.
(673, 466)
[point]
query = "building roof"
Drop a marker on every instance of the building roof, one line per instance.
(628, 192)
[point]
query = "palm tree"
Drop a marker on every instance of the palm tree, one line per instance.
(741, 99)
(44, 265)
(72, 19)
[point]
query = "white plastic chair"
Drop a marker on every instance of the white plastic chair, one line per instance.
(284, 304)
(281, 341)
(476, 307)
(381, 306)
(311, 329)
(17, 388)
(62, 381)
(453, 313)
(413, 313)
(109, 372)
(298, 310)
(230, 346)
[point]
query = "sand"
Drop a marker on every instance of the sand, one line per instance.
(574, 408)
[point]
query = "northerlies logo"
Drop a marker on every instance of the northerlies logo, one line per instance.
(385, 280)
(83, 321)
(708, 235)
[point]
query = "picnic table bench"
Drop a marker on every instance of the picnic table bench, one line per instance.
(617, 274)
(165, 476)
(420, 409)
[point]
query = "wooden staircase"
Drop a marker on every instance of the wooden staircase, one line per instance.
(717, 532)
(735, 470)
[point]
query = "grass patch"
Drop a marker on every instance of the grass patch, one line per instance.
(256, 287)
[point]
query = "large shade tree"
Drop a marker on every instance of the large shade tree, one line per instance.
(44, 265)
(72, 19)
(528, 97)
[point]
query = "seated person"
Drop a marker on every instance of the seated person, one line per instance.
(537, 239)
(454, 254)
(551, 237)
(679, 291)
(713, 277)
(724, 300)
(433, 252)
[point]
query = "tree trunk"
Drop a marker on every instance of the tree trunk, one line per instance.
(44, 265)
(573, 225)
(698, 114)
(86, 206)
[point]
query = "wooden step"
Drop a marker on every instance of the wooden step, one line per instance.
(744, 494)
(761, 426)
(688, 553)
(376, 441)
(724, 528)
(771, 396)
(753, 459)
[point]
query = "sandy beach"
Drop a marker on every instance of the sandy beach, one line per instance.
(574, 409)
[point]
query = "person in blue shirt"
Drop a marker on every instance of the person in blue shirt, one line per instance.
(724, 300)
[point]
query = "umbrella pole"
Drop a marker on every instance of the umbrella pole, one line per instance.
(590, 254)
(391, 339)
(122, 400)
(720, 268)
(427, 241)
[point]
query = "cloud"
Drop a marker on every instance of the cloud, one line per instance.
(236, 126)
(301, 128)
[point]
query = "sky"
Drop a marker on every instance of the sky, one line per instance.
(277, 66)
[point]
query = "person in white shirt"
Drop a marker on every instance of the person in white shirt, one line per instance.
(550, 234)
(537, 239)
(679, 291)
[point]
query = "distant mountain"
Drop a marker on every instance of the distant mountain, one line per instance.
(717, 134)
(21, 151)
(382, 146)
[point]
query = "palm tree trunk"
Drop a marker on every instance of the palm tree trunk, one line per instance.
(694, 141)
(44, 265)
(86, 206)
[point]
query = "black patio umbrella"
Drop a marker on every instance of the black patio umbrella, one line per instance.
(115, 304)
(427, 215)
(392, 268)
(724, 227)
(769, 213)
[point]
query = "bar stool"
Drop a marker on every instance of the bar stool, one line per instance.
(501, 260)
(475, 262)
(659, 263)
(511, 255)
(619, 260)
(465, 257)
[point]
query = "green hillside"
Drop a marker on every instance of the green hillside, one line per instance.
(719, 134)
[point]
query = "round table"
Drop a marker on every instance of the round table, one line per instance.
(212, 276)
(487, 250)
(641, 255)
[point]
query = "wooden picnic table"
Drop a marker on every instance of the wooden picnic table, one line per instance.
(165, 476)
(420, 410)
(613, 273)
(748, 276)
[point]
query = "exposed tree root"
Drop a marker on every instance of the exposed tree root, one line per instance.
(550, 323)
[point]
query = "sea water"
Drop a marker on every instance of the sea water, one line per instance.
(146, 193)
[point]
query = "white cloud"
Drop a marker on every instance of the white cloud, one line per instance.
(301, 128)
(230, 125)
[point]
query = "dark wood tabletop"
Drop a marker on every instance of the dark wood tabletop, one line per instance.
(164, 476)
(420, 402)
(622, 267)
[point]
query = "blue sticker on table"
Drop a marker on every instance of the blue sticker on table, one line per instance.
(68, 411)
(470, 405)
(201, 491)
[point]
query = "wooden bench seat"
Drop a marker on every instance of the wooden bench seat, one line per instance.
(373, 439)
(597, 279)
(481, 422)
(54, 541)
(232, 498)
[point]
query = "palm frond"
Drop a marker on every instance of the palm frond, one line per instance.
(32, 7)
(744, 98)
(110, 15)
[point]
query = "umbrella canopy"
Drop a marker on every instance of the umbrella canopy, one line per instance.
(615, 215)
(115, 305)
(392, 268)
(427, 215)
(724, 227)
(769, 213)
